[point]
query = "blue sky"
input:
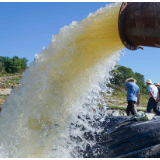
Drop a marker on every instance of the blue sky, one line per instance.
(27, 27)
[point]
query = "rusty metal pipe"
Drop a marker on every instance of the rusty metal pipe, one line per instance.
(139, 24)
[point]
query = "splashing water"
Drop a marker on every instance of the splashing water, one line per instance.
(63, 82)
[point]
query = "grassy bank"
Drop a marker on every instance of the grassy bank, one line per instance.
(117, 99)
(9, 74)
(119, 93)
(117, 107)
(12, 81)
(2, 96)
(123, 108)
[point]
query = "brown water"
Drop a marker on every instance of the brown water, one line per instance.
(36, 117)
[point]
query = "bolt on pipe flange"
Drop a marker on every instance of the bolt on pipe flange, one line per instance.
(139, 24)
(122, 35)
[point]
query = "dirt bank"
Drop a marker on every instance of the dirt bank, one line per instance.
(10, 82)
(5, 91)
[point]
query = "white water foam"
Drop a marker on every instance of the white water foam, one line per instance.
(63, 82)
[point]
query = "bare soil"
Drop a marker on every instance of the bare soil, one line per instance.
(5, 91)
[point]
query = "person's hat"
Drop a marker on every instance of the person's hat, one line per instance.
(126, 81)
(148, 81)
(156, 84)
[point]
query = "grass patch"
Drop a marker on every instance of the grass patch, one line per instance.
(17, 78)
(3, 96)
(9, 74)
(123, 108)
(117, 107)
(12, 81)
(99, 105)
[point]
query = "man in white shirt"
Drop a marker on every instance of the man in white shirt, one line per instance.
(153, 95)
(157, 85)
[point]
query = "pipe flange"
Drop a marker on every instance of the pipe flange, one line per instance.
(122, 35)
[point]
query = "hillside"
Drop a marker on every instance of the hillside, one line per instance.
(10, 82)
(116, 100)
(7, 83)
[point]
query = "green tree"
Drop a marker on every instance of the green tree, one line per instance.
(121, 73)
(1, 66)
(7, 64)
(140, 82)
(13, 65)
(23, 64)
(140, 77)
(2, 59)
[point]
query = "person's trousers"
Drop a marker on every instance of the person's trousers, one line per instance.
(158, 105)
(131, 108)
(152, 105)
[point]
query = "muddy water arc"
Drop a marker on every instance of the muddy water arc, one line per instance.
(36, 117)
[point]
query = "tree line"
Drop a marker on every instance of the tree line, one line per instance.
(121, 73)
(13, 65)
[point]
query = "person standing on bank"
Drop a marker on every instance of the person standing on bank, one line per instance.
(133, 95)
(157, 85)
(153, 95)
